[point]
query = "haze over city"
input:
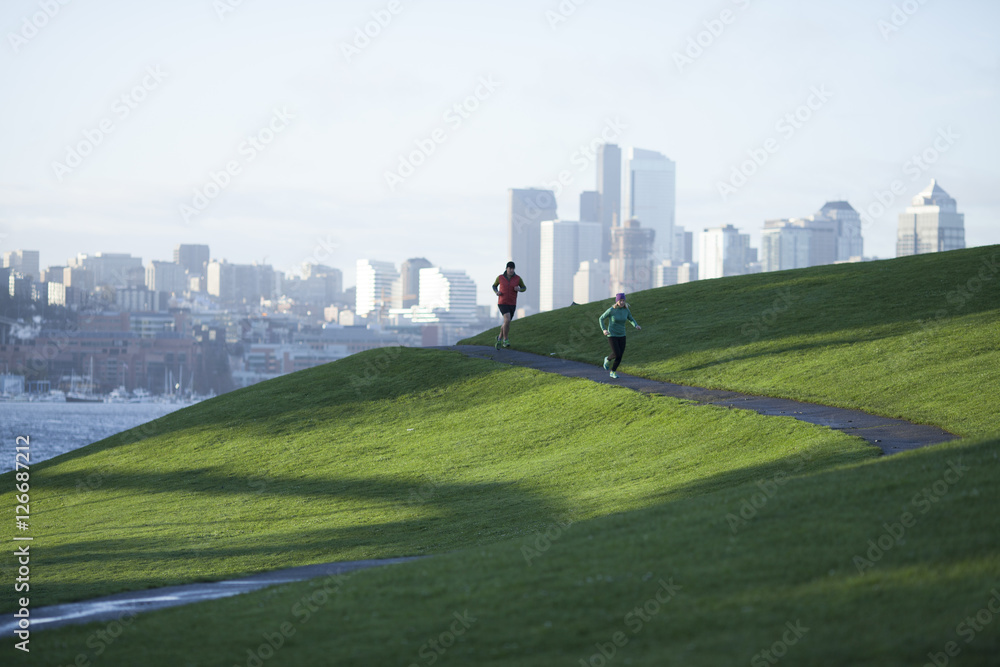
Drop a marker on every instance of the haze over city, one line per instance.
(308, 131)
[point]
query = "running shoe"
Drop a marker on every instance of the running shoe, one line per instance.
(607, 364)
(614, 376)
(497, 346)
(506, 342)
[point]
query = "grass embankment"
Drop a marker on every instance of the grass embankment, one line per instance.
(761, 521)
(387, 453)
(915, 337)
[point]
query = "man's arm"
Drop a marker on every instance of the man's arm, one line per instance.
(520, 285)
(495, 284)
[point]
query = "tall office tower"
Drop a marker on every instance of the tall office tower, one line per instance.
(166, 277)
(850, 243)
(785, 244)
(192, 257)
(23, 261)
(374, 286)
(446, 297)
(609, 189)
(833, 234)
(590, 206)
(683, 245)
(931, 223)
(631, 257)
(526, 210)
(409, 274)
(725, 252)
(592, 281)
(650, 180)
(565, 244)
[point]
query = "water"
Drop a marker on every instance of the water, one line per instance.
(57, 428)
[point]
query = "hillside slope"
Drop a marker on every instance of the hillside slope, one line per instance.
(916, 338)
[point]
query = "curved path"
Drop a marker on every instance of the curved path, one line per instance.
(890, 435)
(120, 605)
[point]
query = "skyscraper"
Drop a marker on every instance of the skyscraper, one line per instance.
(784, 244)
(446, 296)
(833, 234)
(565, 244)
(725, 252)
(931, 223)
(590, 206)
(525, 212)
(374, 286)
(192, 257)
(609, 188)
(409, 274)
(23, 261)
(850, 243)
(592, 281)
(650, 179)
(631, 257)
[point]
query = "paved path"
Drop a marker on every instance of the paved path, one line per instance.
(890, 435)
(121, 605)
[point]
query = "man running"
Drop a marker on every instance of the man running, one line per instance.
(506, 287)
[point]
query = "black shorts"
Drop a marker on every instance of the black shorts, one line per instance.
(507, 309)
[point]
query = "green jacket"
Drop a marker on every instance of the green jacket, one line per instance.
(618, 316)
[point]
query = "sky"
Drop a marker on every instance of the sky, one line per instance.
(309, 131)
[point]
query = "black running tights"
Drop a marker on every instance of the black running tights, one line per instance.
(617, 350)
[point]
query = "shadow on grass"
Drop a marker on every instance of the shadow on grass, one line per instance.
(185, 543)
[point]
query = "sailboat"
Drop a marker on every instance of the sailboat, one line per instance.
(82, 390)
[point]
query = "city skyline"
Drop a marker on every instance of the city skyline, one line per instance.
(286, 134)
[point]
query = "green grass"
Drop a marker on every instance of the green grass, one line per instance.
(916, 337)
(431, 453)
(486, 466)
(795, 562)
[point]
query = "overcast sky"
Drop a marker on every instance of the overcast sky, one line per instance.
(274, 131)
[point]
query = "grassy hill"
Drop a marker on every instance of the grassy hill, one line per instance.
(916, 337)
(557, 507)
